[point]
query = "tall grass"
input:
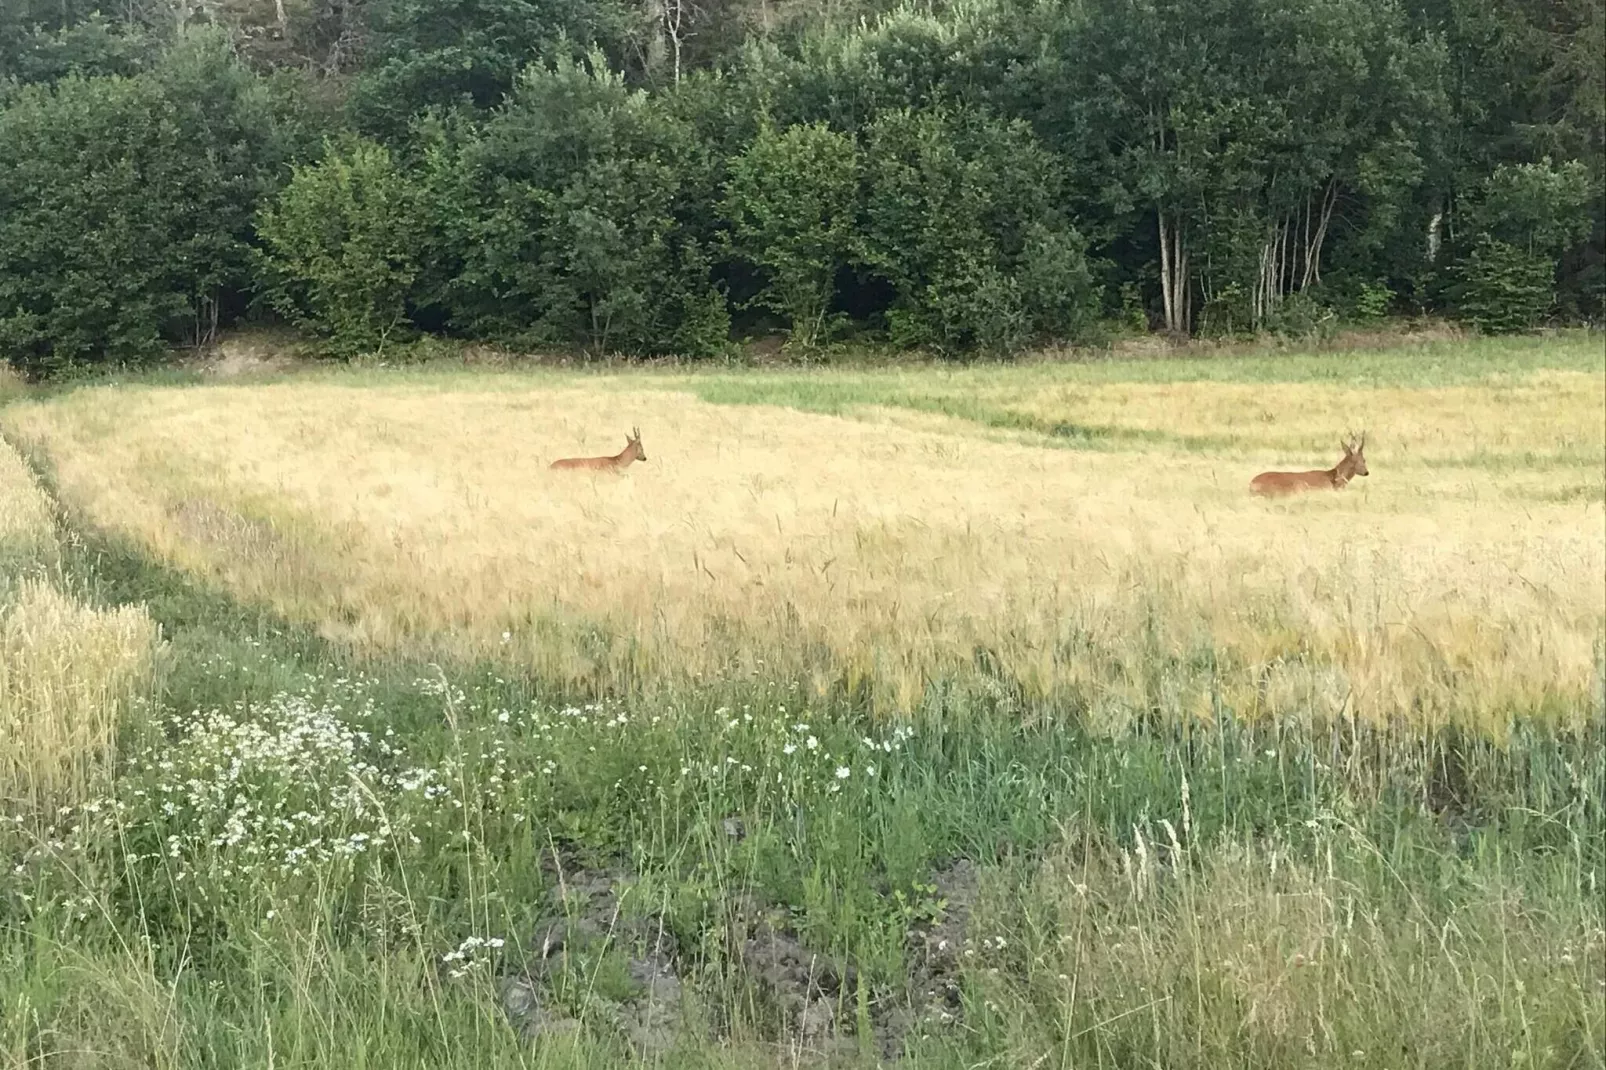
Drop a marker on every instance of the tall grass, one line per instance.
(356, 871)
(68, 671)
(1259, 956)
(68, 675)
(27, 526)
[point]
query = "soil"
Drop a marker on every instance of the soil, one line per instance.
(584, 919)
(812, 1003)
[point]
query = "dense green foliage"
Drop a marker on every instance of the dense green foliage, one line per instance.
(963, 219)
(644, 178)
(340, 242)
(1503, 288)
(569, 217)
(126, 207)
(792, 200)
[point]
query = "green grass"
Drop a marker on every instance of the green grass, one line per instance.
(1431, 362)
(1459, 362)
(982, 393)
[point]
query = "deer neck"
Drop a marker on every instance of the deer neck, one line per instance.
(1340, 475)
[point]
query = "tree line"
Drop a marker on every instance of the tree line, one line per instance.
(662, 177)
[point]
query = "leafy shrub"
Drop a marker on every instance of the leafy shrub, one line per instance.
(1134, 316)
(1300, 315)
(1056, 282)
(569, 221)
(125, 208)
(32, 50)
(962, 221)
(1372, 301)
(340, 241)
(1523, 218)
(1503, 289)
(1539, 207)
(792, 201)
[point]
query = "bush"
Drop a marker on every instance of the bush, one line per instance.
(1301, 315)
(36, 52)
(792, 202)
(570, 220)
(340, 241)
(1056, 282)
(1522, 219)
(962, 221)
(125, 208)
(1504, 289)
(1538, 207)
(1372, 301)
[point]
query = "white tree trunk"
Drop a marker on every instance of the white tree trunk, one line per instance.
(1291, 256)
(673, 16)
(1313, 249)
(1174, 274)
(1166, 296)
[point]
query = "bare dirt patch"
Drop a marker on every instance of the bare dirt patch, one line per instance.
(250, 355)
(592, 965)
(638, 984)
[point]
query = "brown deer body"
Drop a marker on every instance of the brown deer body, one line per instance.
(1276, 484)
(618, 462)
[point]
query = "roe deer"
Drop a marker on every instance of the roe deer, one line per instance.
(1272, 484)
(619, 461)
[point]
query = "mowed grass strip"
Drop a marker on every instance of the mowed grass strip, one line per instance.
(924, 525)
(27, 525)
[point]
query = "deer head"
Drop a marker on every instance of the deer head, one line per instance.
(633, 445)
(1354, 461)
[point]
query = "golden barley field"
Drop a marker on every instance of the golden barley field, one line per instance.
(68, 671)
(1074, 532)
